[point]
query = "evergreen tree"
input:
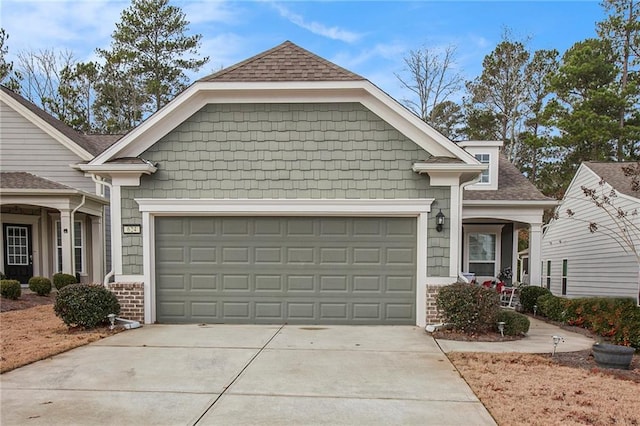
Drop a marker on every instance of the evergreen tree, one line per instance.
(149, 44)
(8, 77)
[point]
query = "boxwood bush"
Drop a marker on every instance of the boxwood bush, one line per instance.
(468, 308)
(515, 324)
(553, 307)
(61, 280)
(10, 289)
(85, 305)
(529, 296)
(40, 285)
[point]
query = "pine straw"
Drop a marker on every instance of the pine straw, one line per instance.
(29, 335)
(527, 389)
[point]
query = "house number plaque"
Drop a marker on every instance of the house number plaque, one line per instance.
(130, 229)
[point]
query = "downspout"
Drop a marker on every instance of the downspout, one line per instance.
(462, 187)
(111, 273)
(73, 233)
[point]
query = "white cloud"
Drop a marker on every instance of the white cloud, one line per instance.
(387, 51)
(334, 33)
(207, 11)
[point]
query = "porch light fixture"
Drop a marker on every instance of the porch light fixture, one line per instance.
(439, 221)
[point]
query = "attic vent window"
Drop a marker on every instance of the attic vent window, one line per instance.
(484, 159)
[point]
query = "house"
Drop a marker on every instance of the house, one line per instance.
(286, 188)
(579, 263)
(53, 216)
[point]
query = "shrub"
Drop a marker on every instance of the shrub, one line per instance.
(515, 324)
(553, 307)
(468, 308)
(85, 305)
(529, 296)
(61, 280)
(10, 289)
(40, 285)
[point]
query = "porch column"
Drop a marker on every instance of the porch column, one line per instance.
(45, 245)
(97, 249)
(67, 243)
(535, 254)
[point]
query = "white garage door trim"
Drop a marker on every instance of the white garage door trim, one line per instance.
(418, 208)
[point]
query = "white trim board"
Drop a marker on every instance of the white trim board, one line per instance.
(418, 208)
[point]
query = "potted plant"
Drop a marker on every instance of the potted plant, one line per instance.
(613, 356)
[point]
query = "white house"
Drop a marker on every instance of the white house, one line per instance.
(577, 262)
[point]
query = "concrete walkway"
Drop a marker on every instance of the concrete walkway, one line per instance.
(539, 339)
(245, 375)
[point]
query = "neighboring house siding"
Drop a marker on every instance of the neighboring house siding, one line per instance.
(22, 139)
(596, 263)
(314, 151)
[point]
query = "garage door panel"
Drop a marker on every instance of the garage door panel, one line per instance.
(203, 282)
(268, 283)
(275, 270)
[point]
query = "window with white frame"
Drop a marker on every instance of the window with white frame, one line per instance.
(482, 254)
(484, 159)
(78, 246)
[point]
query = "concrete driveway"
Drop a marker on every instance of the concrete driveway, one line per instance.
(243, 375)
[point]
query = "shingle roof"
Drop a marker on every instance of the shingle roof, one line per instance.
(443, 160)
(512, 186)
(613, 174)
(93, 144)
(24, 180)
(285, 62)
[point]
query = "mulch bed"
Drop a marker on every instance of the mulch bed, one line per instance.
(26, 300)
(476, 337)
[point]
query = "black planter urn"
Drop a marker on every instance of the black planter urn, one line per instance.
(613, 356)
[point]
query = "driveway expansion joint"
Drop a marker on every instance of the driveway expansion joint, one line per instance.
(226, 388)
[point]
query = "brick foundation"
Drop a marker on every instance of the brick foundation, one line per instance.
(433, 316)
(131, 299)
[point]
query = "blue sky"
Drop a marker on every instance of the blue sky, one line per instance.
(368, 37)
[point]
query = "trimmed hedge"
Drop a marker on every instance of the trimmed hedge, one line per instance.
(615, 318)
(85, 305)
(61, 280)
(40, 285)
(468, 308)
(10, 289)
(529, 296)
(515, 324)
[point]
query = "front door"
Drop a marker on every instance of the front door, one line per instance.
(18, 255)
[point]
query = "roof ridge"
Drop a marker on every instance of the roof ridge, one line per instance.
(307, 66)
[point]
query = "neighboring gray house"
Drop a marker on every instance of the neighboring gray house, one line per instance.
(288, 189)
(52, 215)
(577, 262)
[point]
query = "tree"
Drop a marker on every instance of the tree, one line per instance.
(536, 139)
(41, 71)
(150, 42)
(432, 80)
(76, 92)
(586, 106)
(500, 92)
(8, 77)
(622, 29)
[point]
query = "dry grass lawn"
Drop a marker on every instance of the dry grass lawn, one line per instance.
(527, 389)
(32, 334)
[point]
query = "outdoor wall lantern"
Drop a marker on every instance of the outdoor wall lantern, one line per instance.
(439, 221)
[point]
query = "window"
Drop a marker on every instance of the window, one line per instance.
(548, 275)
(78, 246)
(17, 245)
(484, 159)
(482, 253)
(564, 276)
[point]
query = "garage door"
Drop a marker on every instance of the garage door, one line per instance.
(269, 270)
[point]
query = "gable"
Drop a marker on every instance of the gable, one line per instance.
(26, 147)
(315, 150)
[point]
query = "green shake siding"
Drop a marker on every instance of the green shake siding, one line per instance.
(316, 151)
